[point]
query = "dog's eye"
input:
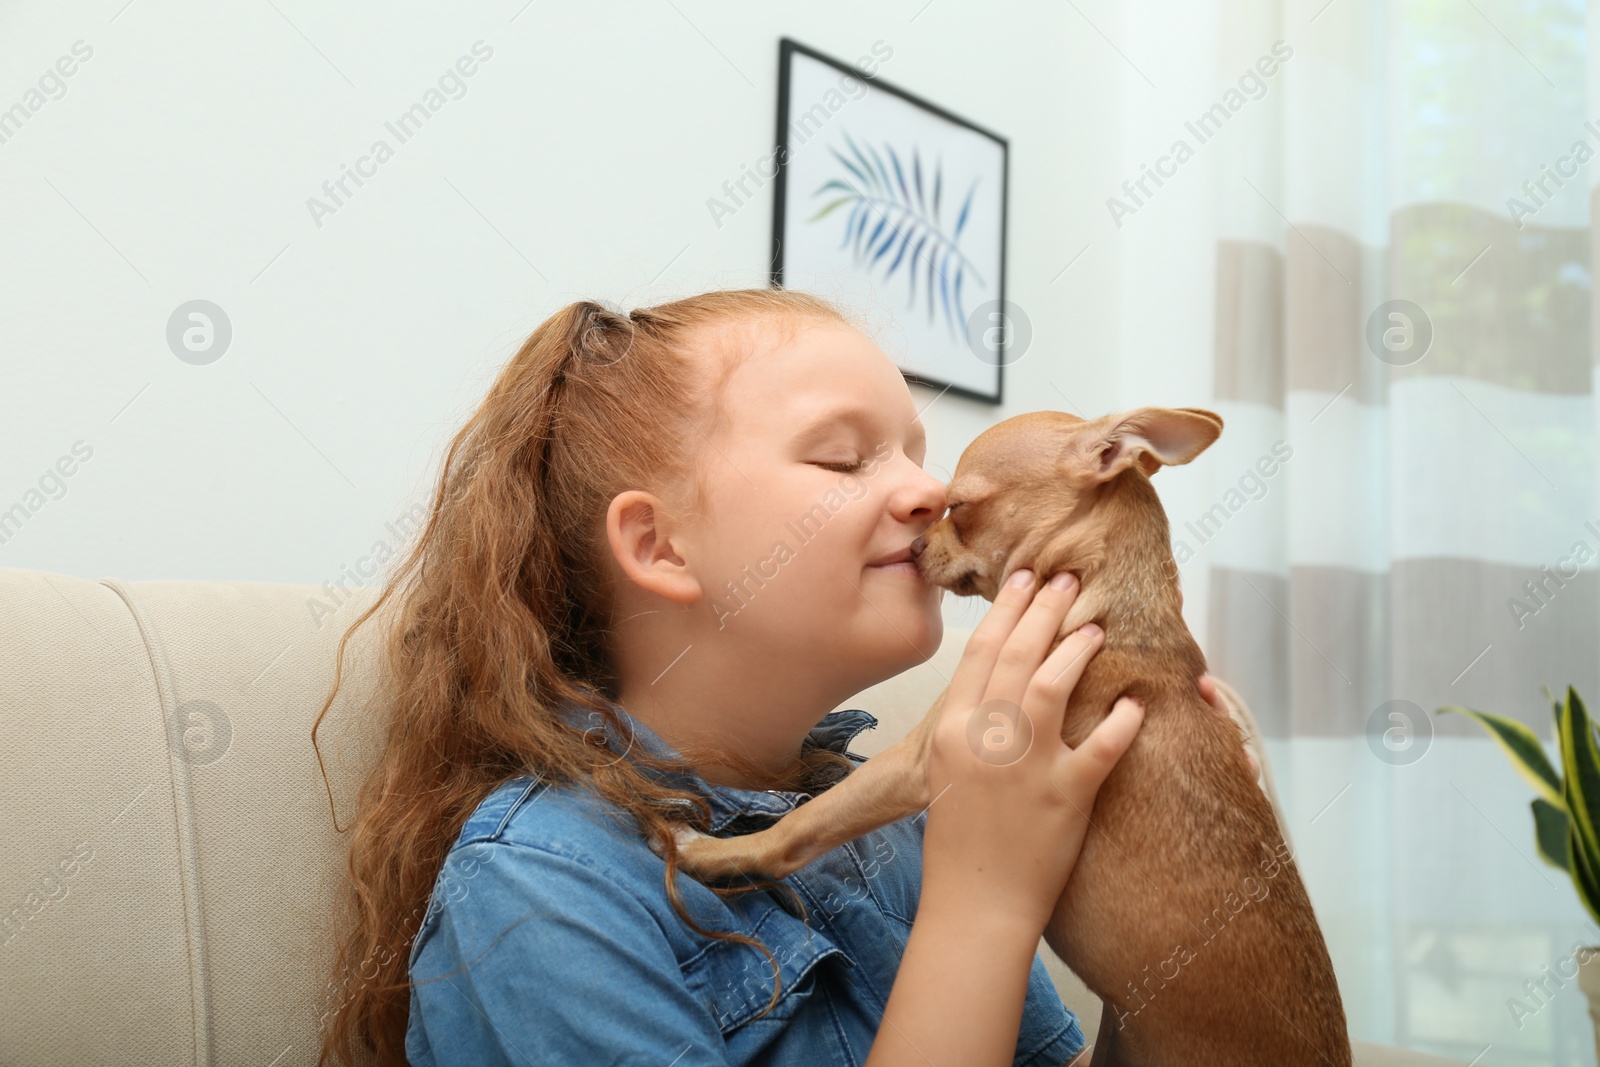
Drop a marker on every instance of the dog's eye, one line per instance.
(955, 527)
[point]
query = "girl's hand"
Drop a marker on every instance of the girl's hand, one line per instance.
(1214, 697)
(1010, 800)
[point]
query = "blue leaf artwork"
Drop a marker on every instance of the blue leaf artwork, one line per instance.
(894, 220)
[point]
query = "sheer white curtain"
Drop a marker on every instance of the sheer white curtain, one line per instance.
(1359, 231)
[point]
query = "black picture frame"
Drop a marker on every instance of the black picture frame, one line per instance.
(788, 49)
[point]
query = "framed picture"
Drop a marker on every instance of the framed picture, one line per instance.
(890, 204)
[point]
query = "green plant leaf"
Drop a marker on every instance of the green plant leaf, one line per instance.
(883, 220)
(911, 272)
(851, 167)
(1551, 834)
(866, 164)
(905, 240)
(829, 209)
(899, 174)
(966, 206)
(1582, 870)
(1580, 759)
(882, 170)
(858, 213)
(1522, 745)
(844, 187)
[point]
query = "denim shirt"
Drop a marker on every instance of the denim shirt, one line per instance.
(549, 939)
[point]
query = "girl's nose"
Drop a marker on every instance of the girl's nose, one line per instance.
(925, 493)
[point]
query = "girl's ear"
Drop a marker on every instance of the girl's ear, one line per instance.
(1151, 437)
(639, 531)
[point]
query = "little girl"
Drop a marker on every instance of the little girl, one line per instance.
(663, 548)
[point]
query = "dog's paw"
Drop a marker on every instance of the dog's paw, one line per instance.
(684, 836)
(708, 858)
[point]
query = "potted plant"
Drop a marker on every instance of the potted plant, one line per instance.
(1566, 818)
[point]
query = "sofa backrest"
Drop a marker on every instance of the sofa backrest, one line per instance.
(170, 859)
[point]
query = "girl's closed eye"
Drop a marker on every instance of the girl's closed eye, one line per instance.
(843, 467)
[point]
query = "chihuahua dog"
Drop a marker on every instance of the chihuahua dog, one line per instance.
(1185, 912)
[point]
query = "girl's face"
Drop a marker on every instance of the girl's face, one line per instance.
(815, 491)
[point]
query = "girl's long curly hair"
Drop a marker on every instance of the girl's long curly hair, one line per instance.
(502, 615)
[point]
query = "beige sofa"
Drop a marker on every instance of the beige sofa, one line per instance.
(167, 859)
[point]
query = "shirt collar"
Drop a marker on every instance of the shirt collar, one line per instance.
(753, 807)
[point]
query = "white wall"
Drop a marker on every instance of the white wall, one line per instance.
(179, 160)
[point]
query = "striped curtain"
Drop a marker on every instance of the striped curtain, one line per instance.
(1401, 513)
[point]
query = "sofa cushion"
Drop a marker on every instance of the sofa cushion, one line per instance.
(160, 749)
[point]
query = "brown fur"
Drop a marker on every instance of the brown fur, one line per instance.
(1185, 913)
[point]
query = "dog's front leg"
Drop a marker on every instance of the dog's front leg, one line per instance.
(890, 786)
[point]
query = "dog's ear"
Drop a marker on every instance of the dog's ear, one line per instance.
(1151, 437)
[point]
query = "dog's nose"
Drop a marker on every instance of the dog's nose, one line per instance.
(918, 545)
